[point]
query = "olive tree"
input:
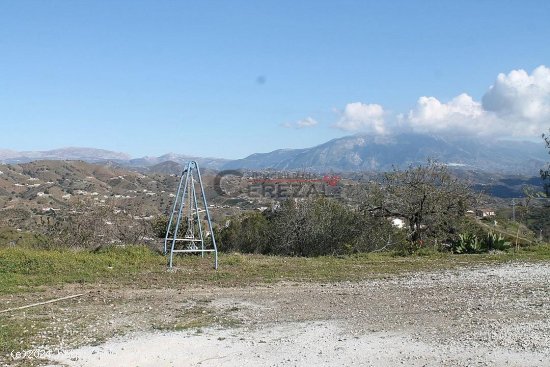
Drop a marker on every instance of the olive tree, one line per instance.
(313, 227)
(430, 200)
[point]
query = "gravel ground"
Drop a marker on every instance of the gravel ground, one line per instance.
(494, 315)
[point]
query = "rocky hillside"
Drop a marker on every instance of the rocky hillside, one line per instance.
(32, 192)
(382, 153)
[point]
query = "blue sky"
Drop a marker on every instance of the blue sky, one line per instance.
(230, 78)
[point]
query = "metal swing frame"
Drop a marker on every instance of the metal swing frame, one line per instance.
(186, 189)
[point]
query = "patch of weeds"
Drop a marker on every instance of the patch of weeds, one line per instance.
(427, 252)
(190, 318)
(19, 334)
(195, 318)
(233, 259)
(24, 268)
(535, 252)
(229, 322)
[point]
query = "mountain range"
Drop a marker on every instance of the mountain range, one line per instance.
(71, 153)
(346, 154)
(382, 153)
(167, 162)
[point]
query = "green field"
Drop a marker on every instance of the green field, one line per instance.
(27, 269)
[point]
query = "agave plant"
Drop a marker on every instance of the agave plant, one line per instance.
(495, 241)
(467, 243)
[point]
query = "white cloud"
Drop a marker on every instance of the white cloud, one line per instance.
(521, 101)
(358, 116)
(307, 122)
(300, 124)
(517, 104)
(460, 113)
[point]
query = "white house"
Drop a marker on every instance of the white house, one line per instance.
(398, 222)
(483, 213)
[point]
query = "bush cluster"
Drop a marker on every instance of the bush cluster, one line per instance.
(309, 227)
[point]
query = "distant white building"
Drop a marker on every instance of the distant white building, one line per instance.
(49, 209)
(483, 213)
(398, 222)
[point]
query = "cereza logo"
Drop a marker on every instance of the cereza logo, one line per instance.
(283, 185)
(224, 184)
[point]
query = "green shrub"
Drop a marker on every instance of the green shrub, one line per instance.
(495, 241)
(467, 243)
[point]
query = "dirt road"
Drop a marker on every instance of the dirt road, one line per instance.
(496, 315)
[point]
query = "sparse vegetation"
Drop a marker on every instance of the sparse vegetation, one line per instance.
(308, 227)
(105, 273)
(26, 269)
(429, 201)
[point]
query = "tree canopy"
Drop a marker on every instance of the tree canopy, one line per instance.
(428, 197)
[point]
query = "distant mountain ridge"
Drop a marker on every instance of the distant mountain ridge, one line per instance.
(93, 155)
(353, 153)
(381, 153)
(181, 159)
(70, 153)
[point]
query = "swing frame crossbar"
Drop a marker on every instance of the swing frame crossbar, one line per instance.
(187, 191)
(190, 250)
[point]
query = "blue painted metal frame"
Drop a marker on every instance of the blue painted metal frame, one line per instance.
(178, 207)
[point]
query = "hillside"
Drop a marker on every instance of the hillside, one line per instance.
(92, 155)
(72, 153)
(382, 153)
(354, 153)
(32, 192)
